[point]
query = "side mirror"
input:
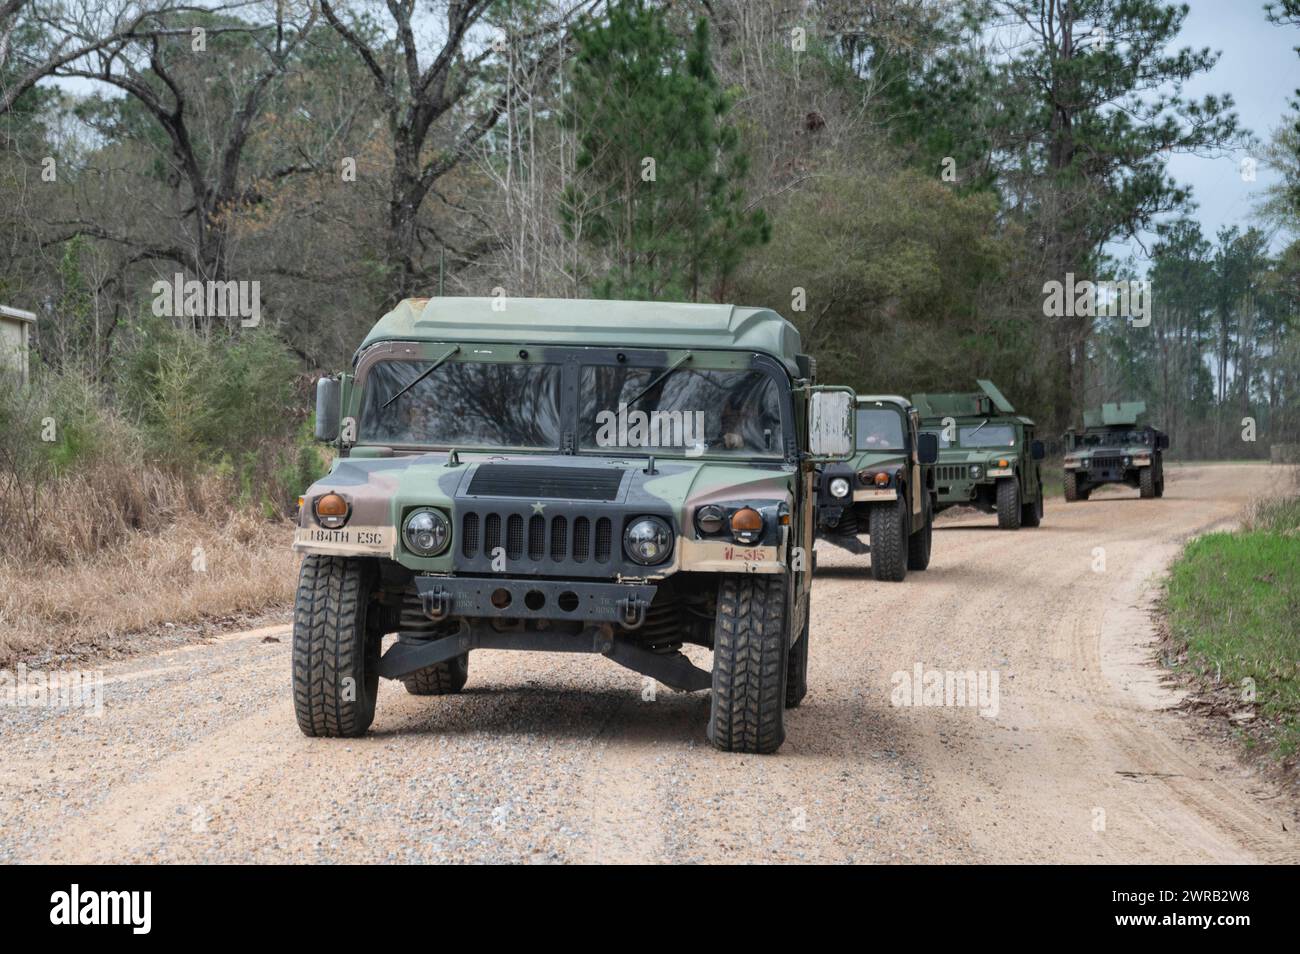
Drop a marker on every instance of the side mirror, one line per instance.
(1162, 441)
(1036, 450)
(927, 447)
(830, 423)
(328, 391)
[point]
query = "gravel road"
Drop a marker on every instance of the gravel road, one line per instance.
(547, 758)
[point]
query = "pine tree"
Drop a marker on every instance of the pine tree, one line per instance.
(658, 189)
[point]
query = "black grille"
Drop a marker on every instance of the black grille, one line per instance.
(535, 481)
(515, 537)
(539, 536)
(469, 535)
(559, 539)
(581, 539)
(1107, 463)
(951, 472)
(602, 540)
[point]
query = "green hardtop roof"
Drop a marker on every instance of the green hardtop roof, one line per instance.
(1116, 414)
(887, 398)
(580, 321)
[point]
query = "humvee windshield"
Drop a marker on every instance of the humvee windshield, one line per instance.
(1114, 438)
(462, 404)
(977, 435)
(687, 411)
(879, 429)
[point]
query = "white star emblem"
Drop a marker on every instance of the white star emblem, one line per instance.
(538, 507)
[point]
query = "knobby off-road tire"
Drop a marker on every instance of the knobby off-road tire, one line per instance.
(920, 542)
(1146, 482)
(750, 663)
(440, 679)
(1072, 487)
(887, 525)
(1031, 514)
(335, 654)
(796, 667)
(1009, 503)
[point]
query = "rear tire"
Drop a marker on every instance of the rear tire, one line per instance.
(920, 542)
(1031, 514)
(440, 679)
(1146, 482)
(750, 664)
(1008, 503)
(335, 654)
(887, 526)
(796, 669)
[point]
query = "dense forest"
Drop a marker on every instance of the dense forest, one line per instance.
(903, 179)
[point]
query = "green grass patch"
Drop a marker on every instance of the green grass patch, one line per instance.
(1234, 609)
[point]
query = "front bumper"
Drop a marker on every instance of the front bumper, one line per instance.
(509, 598)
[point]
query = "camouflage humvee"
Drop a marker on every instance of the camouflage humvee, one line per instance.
(886, 490)
(604, 477)
(988, 457)
(1114, 448)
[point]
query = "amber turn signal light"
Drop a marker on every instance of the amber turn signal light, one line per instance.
(747, 520)
(882, 478)
(331, 505)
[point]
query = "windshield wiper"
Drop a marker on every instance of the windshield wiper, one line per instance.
(977, 427)
(649, 387)
(423, 374)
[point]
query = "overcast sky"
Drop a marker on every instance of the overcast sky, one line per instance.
(1261, 70)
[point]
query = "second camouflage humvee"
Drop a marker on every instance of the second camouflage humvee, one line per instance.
(886, 490)
(609, 477)
(988, 456)
(1114, 448)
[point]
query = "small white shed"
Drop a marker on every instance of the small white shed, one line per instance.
(15, 338)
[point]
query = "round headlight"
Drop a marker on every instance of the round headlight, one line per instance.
(331, 511)
(427, 532)
(747, 525)
(648, 540)
(1127, 461)
(839, 487)
(975, 471)
(709, 518)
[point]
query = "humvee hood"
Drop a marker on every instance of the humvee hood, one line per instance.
(378, 489)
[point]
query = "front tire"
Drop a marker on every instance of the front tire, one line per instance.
(1072, 487)
(440, 679)
(750, 660)
(1146, 482)
(887, 526)
(335, 654)
(1009, 512)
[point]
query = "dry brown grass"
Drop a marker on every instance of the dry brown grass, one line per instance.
(100, 601)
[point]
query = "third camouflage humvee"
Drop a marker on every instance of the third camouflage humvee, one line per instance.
(988, 457)
(886, 490)
(607, 477)
(1114, 448)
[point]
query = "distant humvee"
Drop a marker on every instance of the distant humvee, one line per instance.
(885, 491)
(988, 457)
(1115, 448)
(607, 477)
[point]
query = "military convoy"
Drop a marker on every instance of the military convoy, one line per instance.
(1114, 448)
(618, 478)
(886, 490)
(988, 456)
(624, 479)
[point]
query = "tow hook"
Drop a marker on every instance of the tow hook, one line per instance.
(437, 603)
(633, 610)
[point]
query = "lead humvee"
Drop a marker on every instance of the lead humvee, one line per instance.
(1114, 448)
(886, 490)
(988, 457)
(605, 477)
